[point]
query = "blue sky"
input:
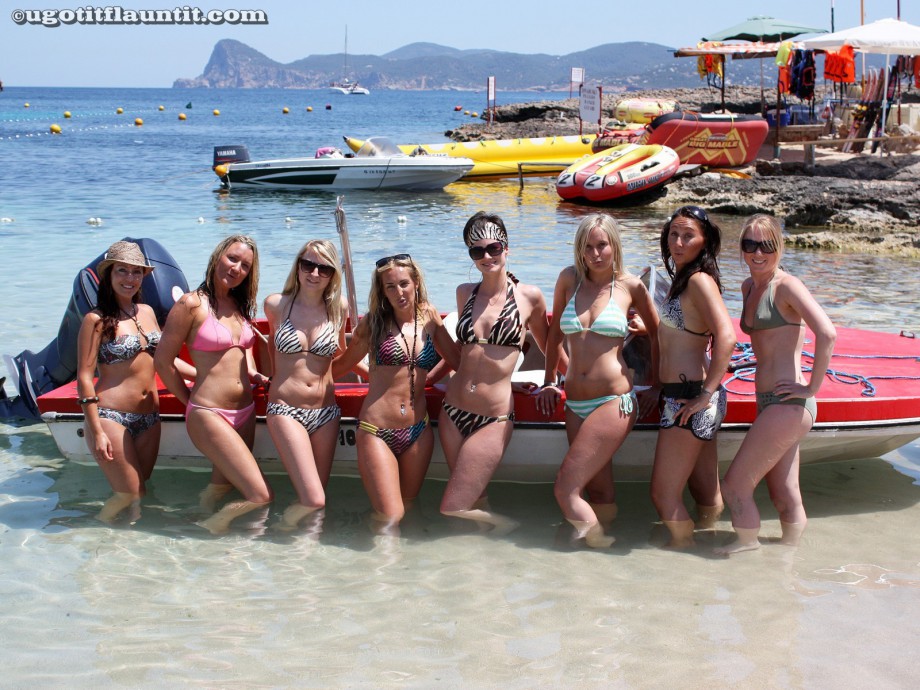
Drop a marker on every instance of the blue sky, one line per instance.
(153, 56)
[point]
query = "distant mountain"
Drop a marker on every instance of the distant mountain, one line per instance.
(619, 66)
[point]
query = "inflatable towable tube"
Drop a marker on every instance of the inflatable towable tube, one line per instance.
(56, 364)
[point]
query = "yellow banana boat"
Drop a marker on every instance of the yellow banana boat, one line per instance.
(506, 157)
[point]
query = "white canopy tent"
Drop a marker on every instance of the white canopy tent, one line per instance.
(884, 37)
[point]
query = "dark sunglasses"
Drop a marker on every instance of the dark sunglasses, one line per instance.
(751, 246)
(389, 259)
(307, 266)
(692, 211)
(493, 249)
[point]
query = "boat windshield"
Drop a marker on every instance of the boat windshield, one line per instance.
(378, 147)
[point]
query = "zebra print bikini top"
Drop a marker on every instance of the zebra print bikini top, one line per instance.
(507, 330)
(287, 339)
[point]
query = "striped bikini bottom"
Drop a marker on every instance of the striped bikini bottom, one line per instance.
(468, 423)
(398, 440)
(583, 408)
(310, 418)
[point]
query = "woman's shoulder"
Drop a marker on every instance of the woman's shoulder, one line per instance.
(567, 275)
(273, 302)
(147, 310)
(531, 292)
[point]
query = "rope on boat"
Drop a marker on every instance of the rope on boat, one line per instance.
(744, 364)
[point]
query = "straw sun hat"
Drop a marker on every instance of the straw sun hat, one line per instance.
(125, 253)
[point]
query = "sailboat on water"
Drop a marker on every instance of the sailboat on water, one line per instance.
(346, 86)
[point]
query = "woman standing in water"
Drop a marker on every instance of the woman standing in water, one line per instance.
(121, 410)
(404, 335)
(307, 329)
(478, 411)
(590, 304)
(692, 319)
(776, 309)
(215, 322)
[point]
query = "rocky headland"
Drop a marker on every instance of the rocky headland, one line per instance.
(854, 202)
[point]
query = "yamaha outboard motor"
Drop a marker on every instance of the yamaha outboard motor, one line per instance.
(230, 154)
(57, 364)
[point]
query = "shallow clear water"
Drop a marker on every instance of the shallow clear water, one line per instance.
(332, 605)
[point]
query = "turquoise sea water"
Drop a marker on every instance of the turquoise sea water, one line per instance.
(332, 605)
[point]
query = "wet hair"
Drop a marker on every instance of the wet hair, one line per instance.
(484, 226)
(769, 227)
(705, 262)
(379, 309)
(610, 228)
(244, 294)
(107, 304)
(332, 295)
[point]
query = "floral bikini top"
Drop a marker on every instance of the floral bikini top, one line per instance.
(126, 347)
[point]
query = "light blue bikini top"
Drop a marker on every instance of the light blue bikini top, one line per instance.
(611, 322)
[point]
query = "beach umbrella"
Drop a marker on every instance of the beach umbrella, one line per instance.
(883, 37)
(765, 29)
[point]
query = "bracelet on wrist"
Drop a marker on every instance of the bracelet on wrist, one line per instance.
(706, 393)
(87, 401)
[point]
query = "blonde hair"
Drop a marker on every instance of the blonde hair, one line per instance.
(332, 295)
(769, 227)
(243, 294)
(609, 226)
(379, 309)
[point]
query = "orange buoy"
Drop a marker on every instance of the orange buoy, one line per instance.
(181, 116)
(138, 122)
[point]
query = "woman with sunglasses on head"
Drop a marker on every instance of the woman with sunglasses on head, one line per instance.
(478, 411)
(776, 309)
(121, 409)
(694, 326)
(215, 322)
(590, 306)
(405, 337)
(307, 329)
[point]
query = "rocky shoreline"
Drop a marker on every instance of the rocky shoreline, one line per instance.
(848, 202)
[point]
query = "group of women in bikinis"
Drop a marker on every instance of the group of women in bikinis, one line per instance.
(402, 345)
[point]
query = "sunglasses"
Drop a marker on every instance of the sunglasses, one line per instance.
(390, 259)
(693, 212)
(307, 266)
(751, 246)
(493, 249)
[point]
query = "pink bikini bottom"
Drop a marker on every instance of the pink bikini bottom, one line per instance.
(235, 418)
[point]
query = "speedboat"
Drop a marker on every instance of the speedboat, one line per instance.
(378, 164)
(868, 405)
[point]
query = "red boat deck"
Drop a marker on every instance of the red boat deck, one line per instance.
(874, 377)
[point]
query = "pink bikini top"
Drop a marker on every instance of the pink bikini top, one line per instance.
(213, 336)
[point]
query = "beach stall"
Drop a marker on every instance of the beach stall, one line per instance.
(883, 37)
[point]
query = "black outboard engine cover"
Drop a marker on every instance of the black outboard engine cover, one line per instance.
(56, 364)
(230, 154)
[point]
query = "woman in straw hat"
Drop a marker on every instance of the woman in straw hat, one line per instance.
(215, 321)
(118, 338)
